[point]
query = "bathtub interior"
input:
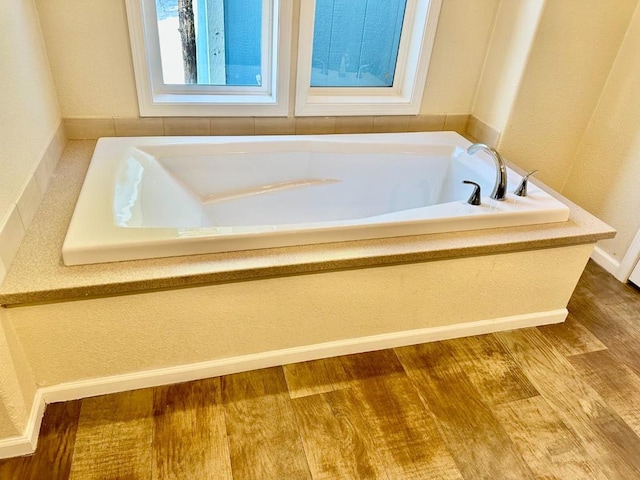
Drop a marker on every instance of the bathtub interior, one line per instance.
(286, 183)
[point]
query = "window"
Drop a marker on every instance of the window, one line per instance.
(211, 57)
(232, 57)
(364, 57)
(355, 43)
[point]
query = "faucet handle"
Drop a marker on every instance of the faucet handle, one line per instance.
(474, 199)
(521, 191)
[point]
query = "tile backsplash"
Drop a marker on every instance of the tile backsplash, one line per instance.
(93, 128)
(11, 234)
(16, 222)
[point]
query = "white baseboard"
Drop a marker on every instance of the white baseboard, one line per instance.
(606, 261)
(630, 259)
(26, 444)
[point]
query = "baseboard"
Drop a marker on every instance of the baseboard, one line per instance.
(26, 444)
(606, 261)
(152, 378)
(630, 259)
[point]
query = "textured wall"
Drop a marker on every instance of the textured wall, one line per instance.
(605, 178)
(29, 117)
(513, 33)
(101, 337)
(17, 386)
(569, 62)
(29, 112)
(88, 45)
(461, 42)
(7, 428)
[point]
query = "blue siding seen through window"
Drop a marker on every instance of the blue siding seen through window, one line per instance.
(243, 31)
(355, 42)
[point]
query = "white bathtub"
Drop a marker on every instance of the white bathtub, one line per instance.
(167, 196)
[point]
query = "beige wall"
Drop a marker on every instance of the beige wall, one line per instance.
(515, 27)
(17, 385)
(29, 117)
(605, 178)
(461, 43)
(96, 338)
(29, 112)
(7, 428)
(569, 62)
(88, 45)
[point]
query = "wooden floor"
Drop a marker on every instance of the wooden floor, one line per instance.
(560, 401)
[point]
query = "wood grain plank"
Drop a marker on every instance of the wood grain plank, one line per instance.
(371, 365)
(381, 404)
(548, 446)
(318, 376)
(334, 445)
(604, 435)
(52, 459)
(261, 426)
(329, 374)
(190, 436)
(472, 433)
(491, 369)
(616, 383)
(611, 311)
(403, 431)
(114, 437)
(571, 337)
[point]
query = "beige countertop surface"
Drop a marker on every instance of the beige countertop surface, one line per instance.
(37, 274)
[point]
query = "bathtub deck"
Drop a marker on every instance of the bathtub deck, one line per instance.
(388, 423)
(37, 274)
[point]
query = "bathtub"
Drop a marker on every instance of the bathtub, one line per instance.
(150, 197)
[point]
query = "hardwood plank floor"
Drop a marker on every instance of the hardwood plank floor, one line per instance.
(548, 446)
(264, 441)
(605, 436)
(114, 437)
(472, 433)
(191, 411)
(53, 457)
(559, 401)
(335, 445)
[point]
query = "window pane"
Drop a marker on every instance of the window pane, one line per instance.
(228, 41)
(170, 45)
(355, 42)
(243, 23)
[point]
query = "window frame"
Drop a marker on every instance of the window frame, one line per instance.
(156, 99)
(404, 97)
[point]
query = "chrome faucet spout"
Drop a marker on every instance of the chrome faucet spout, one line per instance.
(500, 188)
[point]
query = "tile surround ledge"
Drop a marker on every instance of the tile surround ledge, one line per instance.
(94, 128)
(17, 221)
(37, 274)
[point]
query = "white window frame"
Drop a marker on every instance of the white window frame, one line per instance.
(404, 97)
(155, 99)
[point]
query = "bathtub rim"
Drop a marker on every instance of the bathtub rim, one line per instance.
(88, 241)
